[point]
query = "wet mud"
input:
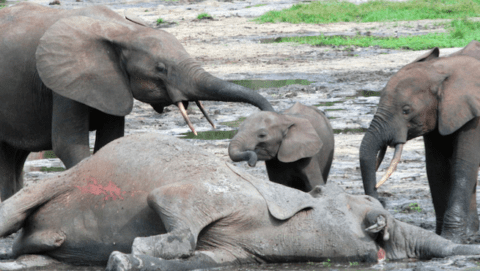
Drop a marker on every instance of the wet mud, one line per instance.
(344, 82)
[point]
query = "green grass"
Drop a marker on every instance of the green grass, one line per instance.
(373, 11)
(204, 16)
(257, 5)
(160, 21)
(460, 33)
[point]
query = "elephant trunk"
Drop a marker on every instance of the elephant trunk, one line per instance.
(215, 89)
(371, 145)
(408, 241)
(237, 153)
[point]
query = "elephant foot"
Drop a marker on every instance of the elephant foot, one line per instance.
(118, 262)
(174, 245)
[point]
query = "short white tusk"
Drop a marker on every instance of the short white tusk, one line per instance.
(393, 164)
(185, 117)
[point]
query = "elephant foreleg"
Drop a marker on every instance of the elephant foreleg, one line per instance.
(201, 260)
(438, 150)
(7, 171)
(70, 123)
(20, 157)
(108, 128)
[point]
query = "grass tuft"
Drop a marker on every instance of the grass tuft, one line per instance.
(204, 16)
(160, 21)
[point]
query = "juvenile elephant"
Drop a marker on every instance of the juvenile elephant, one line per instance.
(297, 146)
(439, 99)
(188, 209)
(64, 73)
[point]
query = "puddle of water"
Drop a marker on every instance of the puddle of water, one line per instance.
(210, 135)
(258, 84)
(350, 130)
(234, 123)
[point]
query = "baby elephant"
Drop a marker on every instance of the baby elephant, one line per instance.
(297, 146)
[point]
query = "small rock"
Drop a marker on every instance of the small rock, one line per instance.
(54, 2)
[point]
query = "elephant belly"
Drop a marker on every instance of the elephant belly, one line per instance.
(95, 225)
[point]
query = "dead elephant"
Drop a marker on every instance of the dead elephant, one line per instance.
(187, 209)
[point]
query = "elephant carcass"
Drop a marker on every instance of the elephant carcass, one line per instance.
(188, 209)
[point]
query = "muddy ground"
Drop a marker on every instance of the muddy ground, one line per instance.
(344, 82)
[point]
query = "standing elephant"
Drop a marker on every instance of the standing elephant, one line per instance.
(297, 146)
(439, 99)
(188, 209)
(64, 73)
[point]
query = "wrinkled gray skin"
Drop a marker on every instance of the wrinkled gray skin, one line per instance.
(64, 73)
(197, 211)
(297, 145)
(437, 98)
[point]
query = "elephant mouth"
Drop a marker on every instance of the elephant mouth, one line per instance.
(184, 114)
(263, 154)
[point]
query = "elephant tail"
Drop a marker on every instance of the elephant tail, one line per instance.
(17, 208)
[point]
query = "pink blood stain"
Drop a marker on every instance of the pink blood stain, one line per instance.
(109, 191)
(381, 254)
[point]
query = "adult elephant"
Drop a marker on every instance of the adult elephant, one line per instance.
(439, 99)
(64, 73)
(188, 209)
(296, 145)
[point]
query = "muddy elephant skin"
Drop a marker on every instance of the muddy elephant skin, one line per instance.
(439, 99)
(297, 145)
(194, 210)
(77, 71)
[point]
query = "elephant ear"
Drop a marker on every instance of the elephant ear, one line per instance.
(432, 54)
(459, 93)
(79, 58)
(301, 140)
(283, 202)
(472, 50)
(133, 18)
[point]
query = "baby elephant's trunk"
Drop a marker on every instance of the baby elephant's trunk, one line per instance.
(237, 153)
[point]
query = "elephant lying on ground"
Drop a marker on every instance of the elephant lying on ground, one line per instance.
(439, 99)
(297, 146)
(77, 71)
(193, 210)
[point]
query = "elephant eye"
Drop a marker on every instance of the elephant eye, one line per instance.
(406, 110)
(161, 68)
(262, 136)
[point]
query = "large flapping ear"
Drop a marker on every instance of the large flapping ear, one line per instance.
(78, 58)
(133, 18)
(432, 54)
(283, 202)
(471, 50)
(301, 140)
(459, 94)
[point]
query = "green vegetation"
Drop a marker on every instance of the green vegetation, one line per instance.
(415, 207)
(373, 11)
(257, 5)
(327, 263)
(235, 123)
(210, 135)
(160, 21)
(258, 84)
(460, 33)
(329, 103)
(204, 16)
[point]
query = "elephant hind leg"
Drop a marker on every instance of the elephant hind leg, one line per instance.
(31, 241)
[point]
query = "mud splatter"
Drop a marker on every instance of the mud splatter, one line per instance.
(109, 191)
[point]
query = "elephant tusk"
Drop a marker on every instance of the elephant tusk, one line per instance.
(185, 117)
(393, 164)
(380, 156)
(200, 105)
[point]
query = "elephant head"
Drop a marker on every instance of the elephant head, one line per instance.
(430, 94)
(268, 135)
(105, 64)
